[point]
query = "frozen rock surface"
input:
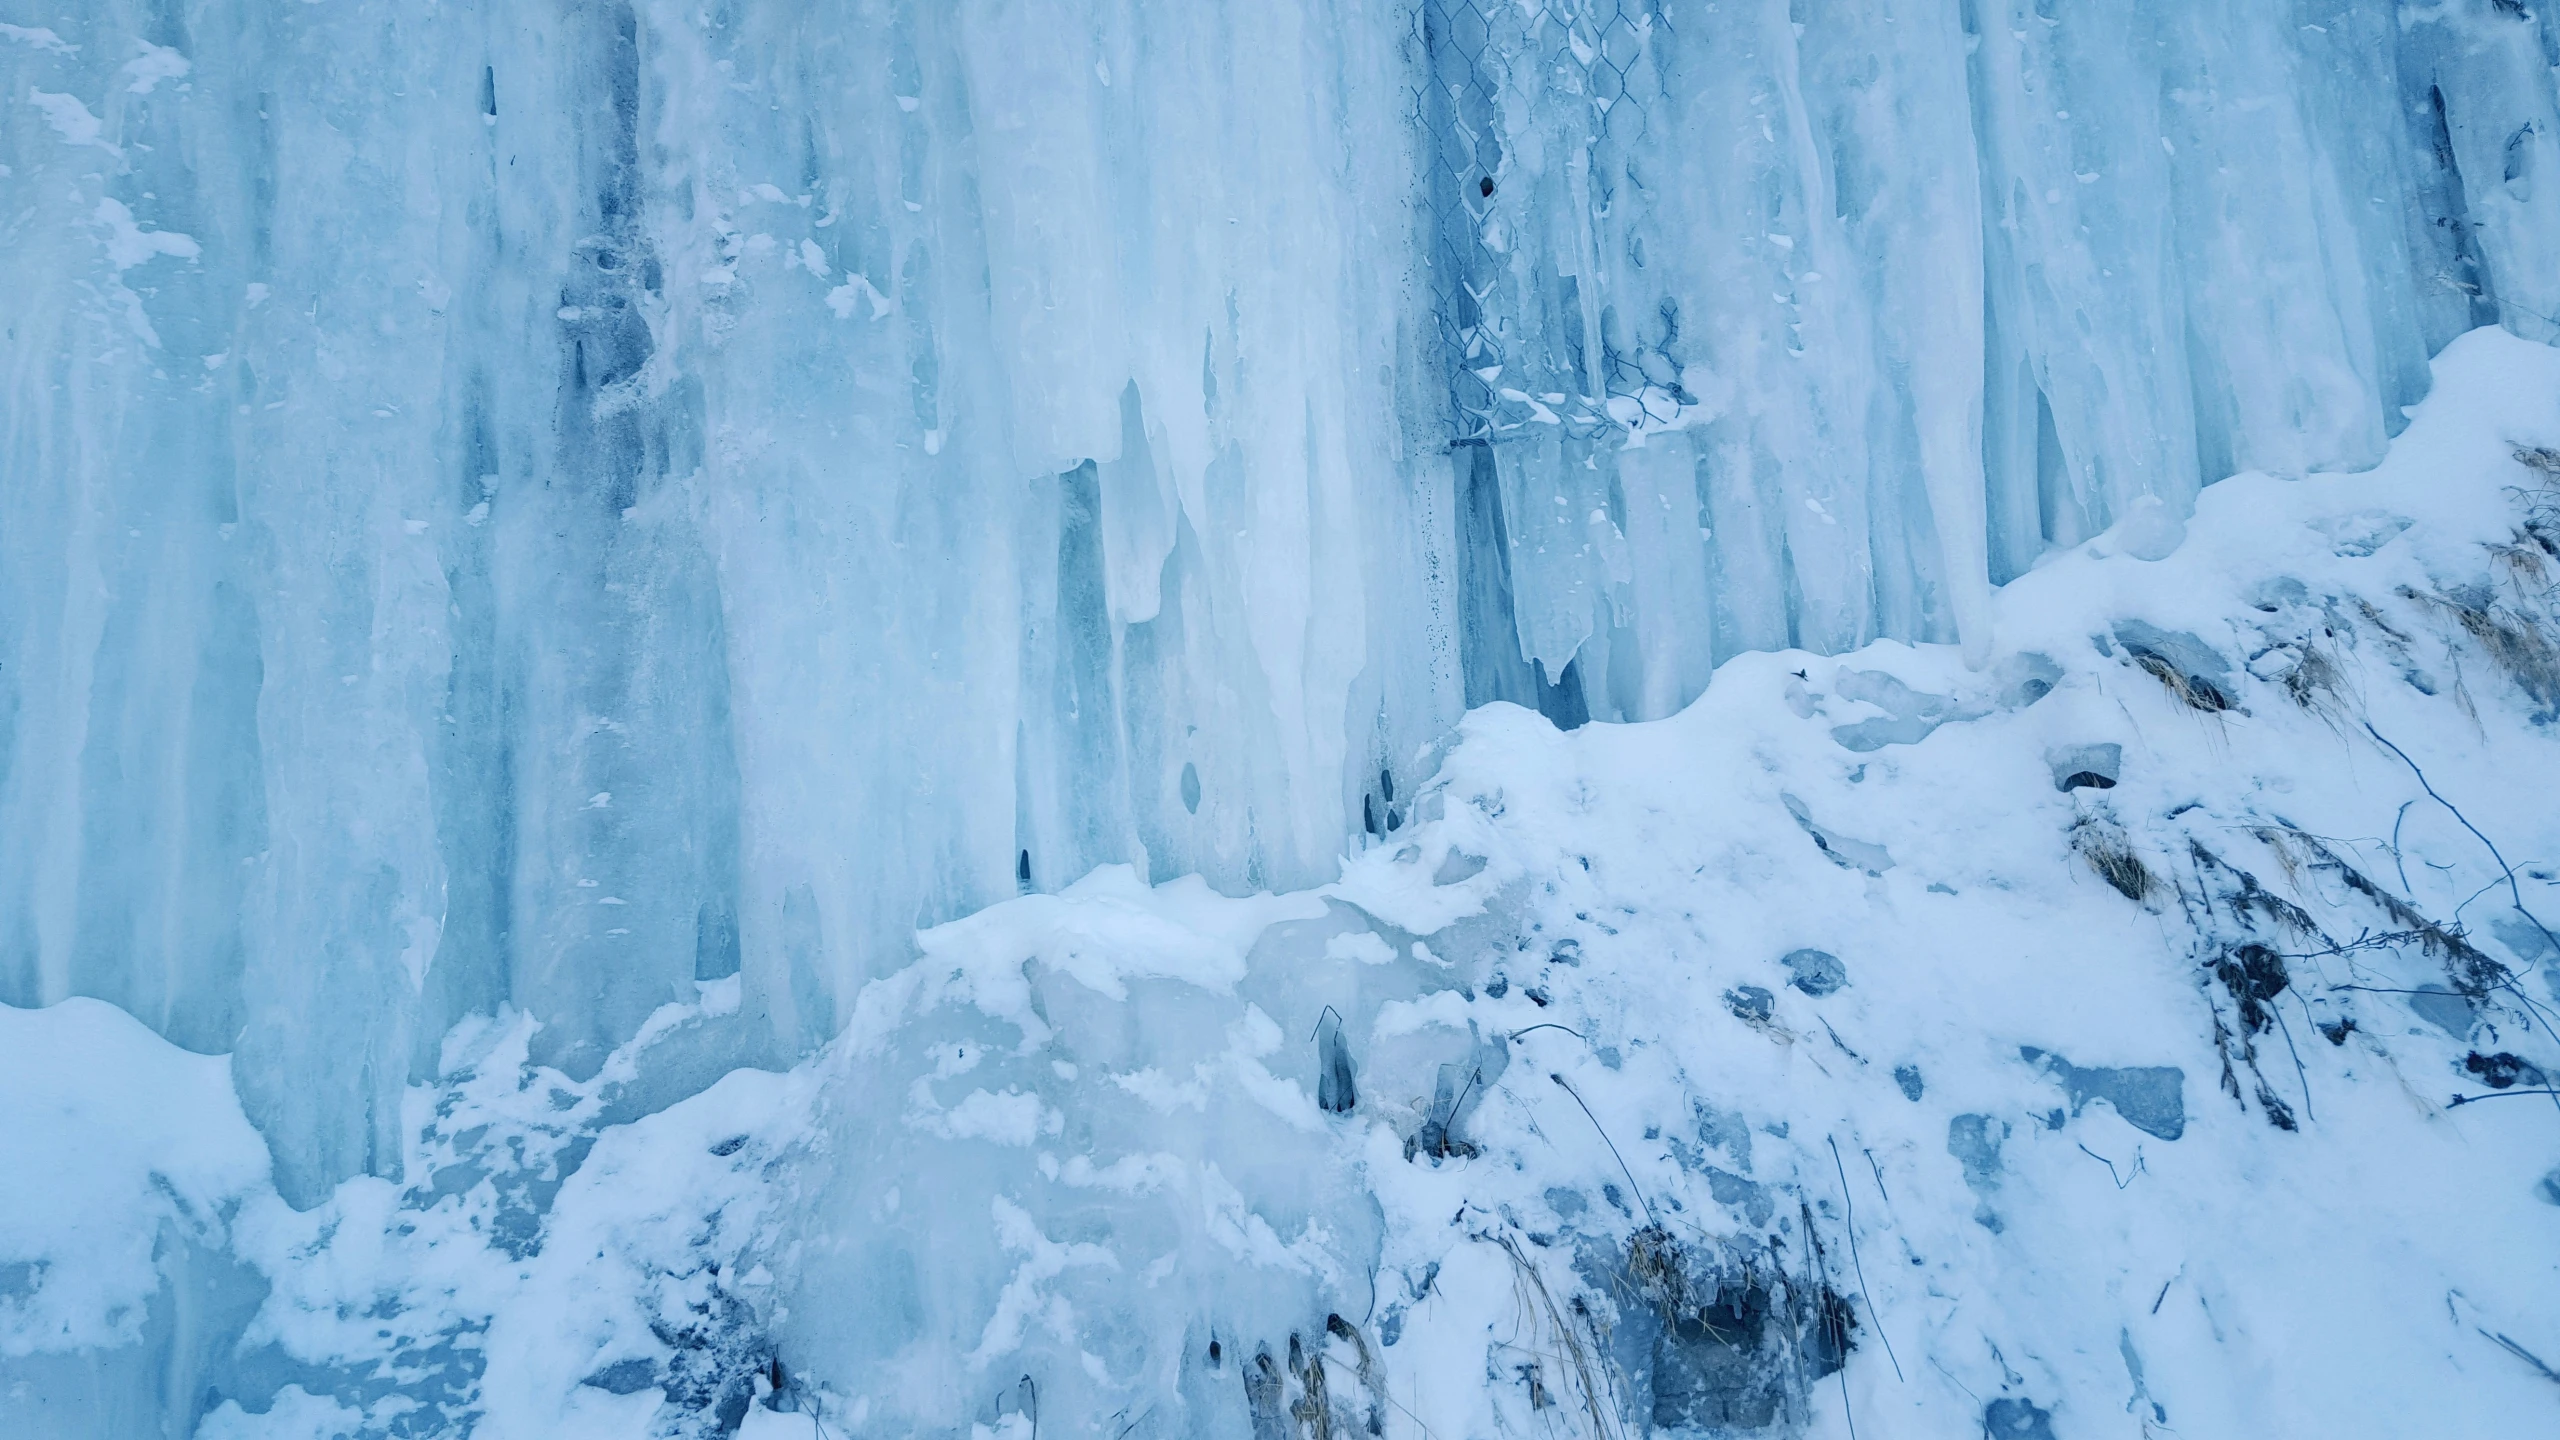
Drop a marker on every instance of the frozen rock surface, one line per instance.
(1557, 1138)
(855, 717)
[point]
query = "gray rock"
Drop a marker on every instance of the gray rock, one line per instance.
(2024, 679)
(1749, 1198)
(1815, 972)
(1974, 1140)
(2010, 1418)
(1751, 1003)
(2447, 1010)
(2198, 666)
(2085, 767)
(2151, 1098)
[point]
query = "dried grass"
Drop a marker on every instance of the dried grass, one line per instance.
(2516, 641)
(2193, 691)
(2472, 971)
(2316, 684)
(2108, 852)
(1536, 1298)
(1658, 1267)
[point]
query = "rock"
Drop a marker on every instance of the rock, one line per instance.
(1815, 972)
(2085, 767)
(1751, 1003)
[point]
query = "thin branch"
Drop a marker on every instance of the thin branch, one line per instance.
(2515, 892)
(1850, 1210)
(1843, 1044)
(2396, 861)
(1605, 1140)
(2521, 1353)
(2461, 1100)
(1463, 1092)
(2391, 990)
(2129, 1176)
(2367, 940)
(2299, 1073)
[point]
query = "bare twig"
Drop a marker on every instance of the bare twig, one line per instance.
(1843, 1044)
(1852, 1415)
(2129, 1176)
(2461, 1100)
(2515, 892)
(1850, 1213)
(2397, 862)
(1463, 1092)
(2521, 1353)
(1612, 1144)
(2299, 1073)
(2367, 940)
(2390, 990)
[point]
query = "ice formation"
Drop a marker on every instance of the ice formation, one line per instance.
(814, 693)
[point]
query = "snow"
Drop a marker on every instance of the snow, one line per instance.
(115, 1137)
(961, 696)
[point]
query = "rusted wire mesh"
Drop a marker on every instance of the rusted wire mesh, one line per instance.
(1530, 111)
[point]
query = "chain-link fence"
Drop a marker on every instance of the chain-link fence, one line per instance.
(1530, 111)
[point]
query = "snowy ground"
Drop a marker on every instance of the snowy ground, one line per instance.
(2062, 1048)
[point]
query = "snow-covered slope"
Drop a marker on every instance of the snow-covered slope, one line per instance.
(2066, 1047)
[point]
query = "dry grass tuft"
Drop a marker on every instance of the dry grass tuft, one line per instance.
(1597, 1406)
(2315, 683)
(1657, 1265)
(2471, 970)
(2193, 691)
(2108, 852)
(2526, 558)
(2516, 642)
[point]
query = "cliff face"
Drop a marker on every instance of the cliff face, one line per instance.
(2075, 1038)
(1188, 638)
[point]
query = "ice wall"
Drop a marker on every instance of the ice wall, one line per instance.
(1678, 1079)
(543, 504)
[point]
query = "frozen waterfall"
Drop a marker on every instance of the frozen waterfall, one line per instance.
(548, 504)
(528, 514)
